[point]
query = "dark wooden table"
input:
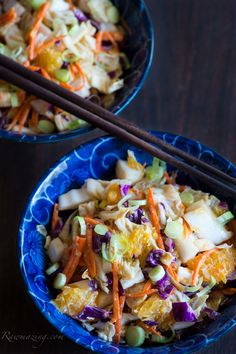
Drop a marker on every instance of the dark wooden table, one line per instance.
(191, 90)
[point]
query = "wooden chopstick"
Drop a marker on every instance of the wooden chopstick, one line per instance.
(65, 104)
(109, 116)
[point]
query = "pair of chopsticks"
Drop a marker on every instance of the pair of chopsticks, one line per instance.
(49, 91)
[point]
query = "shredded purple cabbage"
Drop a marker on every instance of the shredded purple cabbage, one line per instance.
(93, 284)
(164, 287)
(110, 284)
(112, 74)
(169, 244)
(151, 323)
(183, 312)
(95, 24)
(224, 205)
(59, 226)
(3, 121)
(153, 259)
(81, 17)
(124, 189)
(98, 240)
(212, 314)
(107, 45)
(145, 274)
(232, 276)
(65, 65)
(93, 312)
(137, 217)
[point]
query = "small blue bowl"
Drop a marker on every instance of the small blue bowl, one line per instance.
(139, 49)
(97, 159)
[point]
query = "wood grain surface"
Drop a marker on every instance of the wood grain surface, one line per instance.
(191, 90)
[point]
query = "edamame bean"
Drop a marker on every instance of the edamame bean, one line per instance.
(135, 336)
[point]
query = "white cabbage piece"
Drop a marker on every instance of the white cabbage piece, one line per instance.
(131, 273)
(190, 246)
(73, 198)
(88, 208)
(8, 4)
(110, 215)
(198, 304)
(58, 6)
(99, 79)
(55, 250)
(62, 121)
(123, 171)
(44, 34)
(205, 224)
(104, 300)
(99, 9)
(109, 61)
(185, 275)
(103, 268)
(125, 225)
(14, 38)
(65, 232)
(128, 317)
(5, 99)
(106, 331)
(95, 189)
(115, 86)
(170, 198)
(40, 106)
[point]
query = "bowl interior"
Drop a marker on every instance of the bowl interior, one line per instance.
(140, 52)
(97, 159)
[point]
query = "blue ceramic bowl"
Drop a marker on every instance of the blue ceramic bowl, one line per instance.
(97, 159)
(140, 51)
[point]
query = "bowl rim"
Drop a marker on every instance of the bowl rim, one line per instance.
(47, 138)
(228, 324)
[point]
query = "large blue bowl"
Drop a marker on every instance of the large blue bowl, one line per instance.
(140, 51)
(97, 159)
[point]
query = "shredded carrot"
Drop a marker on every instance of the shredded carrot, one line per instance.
(116, 301)
(72, 7)
(67, 86)
(171, 272)
(8, 18)
(73, 262)
(47, 44)
(149, 328)
(33, 123)
(55, 215)
(24, 116)
(57, 110)
(89, 242)
(33, 68)
(45, 74)
(187, 229)
(147, 286)
(200, 263)
(74, 69)
(91, 221)
(154, 217)
(36, 25)
(82, 75)
(119, 321)
(167, 177)
(229, 291)
(19, 114)
(147, 290)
